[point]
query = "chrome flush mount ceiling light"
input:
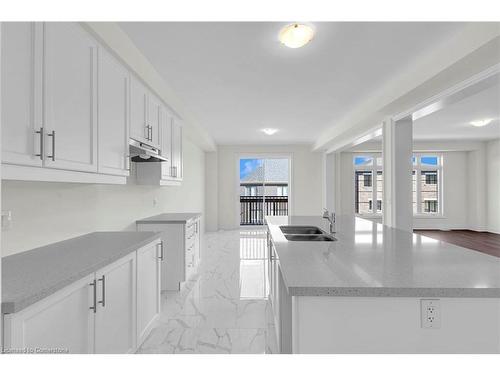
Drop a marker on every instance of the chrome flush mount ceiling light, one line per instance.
(269, 131)
(296, 35)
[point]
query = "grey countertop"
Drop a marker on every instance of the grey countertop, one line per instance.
(170, 218)
(32, 275)
(372, 260)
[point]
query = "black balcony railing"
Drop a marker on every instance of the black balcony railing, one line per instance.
(254, 208)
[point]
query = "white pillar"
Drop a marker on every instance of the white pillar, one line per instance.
(476, 189)
(332, 182)
(397, 150)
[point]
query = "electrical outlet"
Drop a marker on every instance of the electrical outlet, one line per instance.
(430, 313)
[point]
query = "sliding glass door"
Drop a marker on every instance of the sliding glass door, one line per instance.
(264, 188)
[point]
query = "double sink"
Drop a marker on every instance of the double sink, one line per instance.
(305, 233)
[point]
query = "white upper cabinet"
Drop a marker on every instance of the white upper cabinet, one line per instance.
(21, 96)
(138, 110)
(177, 164)
(113, 125)
(70, 98)
(144, 113)
(69, 106)
(154, 119)
(166, 143)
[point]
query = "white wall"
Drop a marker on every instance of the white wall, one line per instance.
(493, 185)
(47, 212)
(306, 175)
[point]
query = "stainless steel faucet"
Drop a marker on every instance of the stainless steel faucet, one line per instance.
(331, 220)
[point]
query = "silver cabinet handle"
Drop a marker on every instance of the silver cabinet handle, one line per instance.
(127, 162)
(41, 143)
(162, 254)
(150, 133)
(94, 285)
(103, 301)
(146, 128)
(53, 135)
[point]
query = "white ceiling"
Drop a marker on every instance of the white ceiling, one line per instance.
(236, 78)
(453, 122)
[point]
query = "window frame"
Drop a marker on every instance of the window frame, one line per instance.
(418, 168)
(373, 168)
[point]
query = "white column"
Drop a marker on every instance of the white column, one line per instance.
(332, 182)
(329, 201)
(397, 150)
(477, 189)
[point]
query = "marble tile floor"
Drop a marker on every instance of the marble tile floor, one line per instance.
(224, 309)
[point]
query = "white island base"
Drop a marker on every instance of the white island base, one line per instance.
(386, 325)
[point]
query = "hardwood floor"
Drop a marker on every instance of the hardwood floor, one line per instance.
(485, 242)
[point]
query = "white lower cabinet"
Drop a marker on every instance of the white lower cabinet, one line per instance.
(115, 318)
(63, 321)
(181, 242)
(109, 311)
(149, 260)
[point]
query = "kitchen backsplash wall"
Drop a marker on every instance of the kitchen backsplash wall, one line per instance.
(44, 212)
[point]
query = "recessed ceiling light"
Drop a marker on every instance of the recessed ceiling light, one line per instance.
(479, 123)
(296, 35)
(269, 131)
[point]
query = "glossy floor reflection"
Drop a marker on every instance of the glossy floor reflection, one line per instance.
(224, 308)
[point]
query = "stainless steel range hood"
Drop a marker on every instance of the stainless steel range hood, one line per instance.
(141, 152)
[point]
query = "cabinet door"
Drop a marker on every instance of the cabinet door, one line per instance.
(115, 328)
(113, 115)
(138, 110)
(154, 119)
(21, 93)
(166, 143)
(148, 288)
(62, 321)
(70, 97)
(177, 148)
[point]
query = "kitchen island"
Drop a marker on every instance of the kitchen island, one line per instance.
(369, 291)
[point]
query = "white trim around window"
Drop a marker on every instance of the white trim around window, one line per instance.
(418, 168)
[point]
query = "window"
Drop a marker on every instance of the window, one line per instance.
(430, 206)
(427, 184)
(367, 180)
(430, 178)
(368, 184)
(251, 191)
(282, 191)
